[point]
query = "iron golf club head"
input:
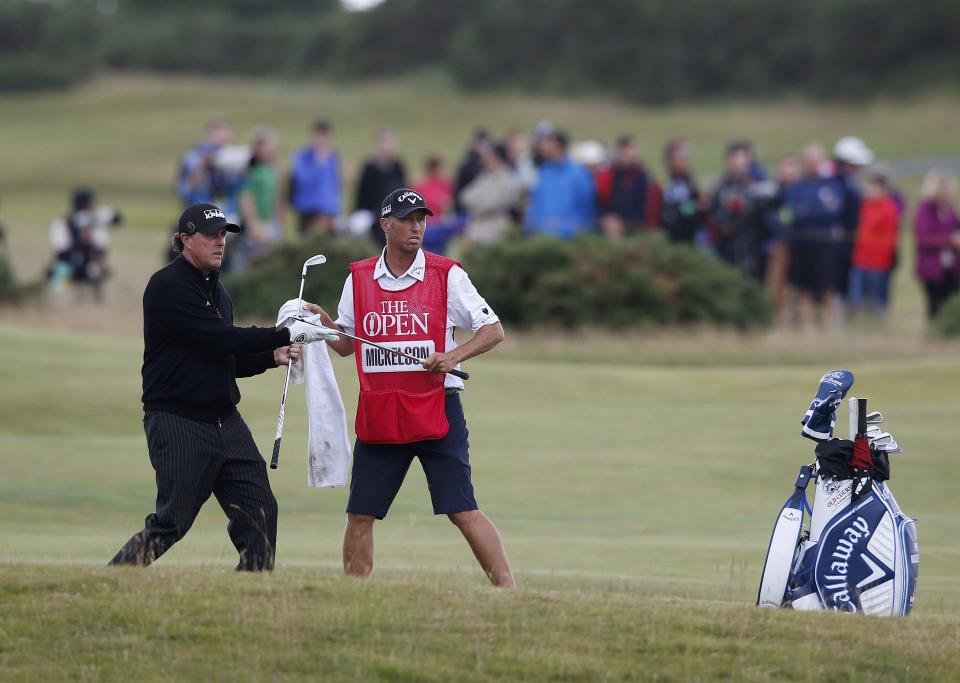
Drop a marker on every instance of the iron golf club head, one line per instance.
(290, 319)
(891, 447)
(313, 261)
(881, 439)
(874, 417)
(873, 431)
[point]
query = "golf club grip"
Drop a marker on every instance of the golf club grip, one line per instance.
(461, 374)
(279, 435)
(276, 454)
(861, 416)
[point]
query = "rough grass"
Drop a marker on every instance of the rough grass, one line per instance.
(84, 624)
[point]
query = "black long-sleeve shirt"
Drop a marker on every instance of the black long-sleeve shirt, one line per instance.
(192, 353)
(376, 182)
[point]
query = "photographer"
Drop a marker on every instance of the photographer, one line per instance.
(80, 242)
(742, 214)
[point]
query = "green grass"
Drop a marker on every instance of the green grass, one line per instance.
(635, 479)
(298, 625)
(636, 503)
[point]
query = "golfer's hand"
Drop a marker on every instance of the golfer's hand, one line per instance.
(286, 354)
(325, 318)
(440, 362)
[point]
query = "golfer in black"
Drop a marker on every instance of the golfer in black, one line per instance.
(198, 442)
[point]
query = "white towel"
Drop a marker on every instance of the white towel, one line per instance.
(328, 444)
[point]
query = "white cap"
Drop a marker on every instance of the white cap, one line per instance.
(853, 150)
(589, 153)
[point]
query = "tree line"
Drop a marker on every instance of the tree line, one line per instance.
(650, 51)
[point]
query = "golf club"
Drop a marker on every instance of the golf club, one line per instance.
(312, 261)
(861, 463)
(456, 373)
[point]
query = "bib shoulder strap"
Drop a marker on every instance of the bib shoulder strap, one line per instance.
(366, 264)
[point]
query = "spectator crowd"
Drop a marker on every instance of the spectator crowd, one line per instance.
(820, 231)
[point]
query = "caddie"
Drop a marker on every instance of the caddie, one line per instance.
(412, 300)
(198, 442)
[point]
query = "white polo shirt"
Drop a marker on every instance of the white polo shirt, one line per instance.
(465, 307)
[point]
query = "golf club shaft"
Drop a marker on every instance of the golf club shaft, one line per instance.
(275, 458)
(456, 373)
(861, 417)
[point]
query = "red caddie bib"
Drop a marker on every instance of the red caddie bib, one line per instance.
(400, 402)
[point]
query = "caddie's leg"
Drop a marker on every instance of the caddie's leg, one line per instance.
(243, 490)
(186, 456)
(378, 472)
(487, 546)
(446, 463)
(358, 545)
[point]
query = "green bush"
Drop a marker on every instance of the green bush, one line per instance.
(8, 285)
(595, 282)
(275, 277)
(947, 322)
(586, 282)
(12, 291)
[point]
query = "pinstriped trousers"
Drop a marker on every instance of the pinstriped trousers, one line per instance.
(193, 459)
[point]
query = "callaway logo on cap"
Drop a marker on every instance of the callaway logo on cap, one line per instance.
(205, 218)
(401, 203)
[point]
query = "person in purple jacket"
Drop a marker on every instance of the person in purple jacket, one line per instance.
(937, 231)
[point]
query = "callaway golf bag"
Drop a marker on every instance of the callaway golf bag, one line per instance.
(859, 552)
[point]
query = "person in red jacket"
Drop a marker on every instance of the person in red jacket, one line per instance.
(411, 300)
(875, 247)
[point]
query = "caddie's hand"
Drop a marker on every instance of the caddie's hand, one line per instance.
(325, 318)
(288, 354)
(440, 362)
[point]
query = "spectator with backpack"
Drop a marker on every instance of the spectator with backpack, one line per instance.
(681, 213)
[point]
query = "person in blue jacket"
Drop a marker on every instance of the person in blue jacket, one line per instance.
(315, 183)
(817, 206)
(563, 201)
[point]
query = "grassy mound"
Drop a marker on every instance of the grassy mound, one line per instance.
(161, 624)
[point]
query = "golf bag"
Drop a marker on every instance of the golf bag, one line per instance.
(859, 552)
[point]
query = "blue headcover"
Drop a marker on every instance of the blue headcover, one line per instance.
(821, 416)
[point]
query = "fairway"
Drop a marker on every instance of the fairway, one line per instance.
(627, 493)
(607, 470)
(635, 479)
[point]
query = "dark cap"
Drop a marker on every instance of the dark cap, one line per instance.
(401, 203)
(82, 198)
(205, 218)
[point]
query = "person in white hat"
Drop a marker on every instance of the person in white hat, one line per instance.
(850, 154)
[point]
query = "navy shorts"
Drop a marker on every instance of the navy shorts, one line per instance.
(816, 267)
(379, 469)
